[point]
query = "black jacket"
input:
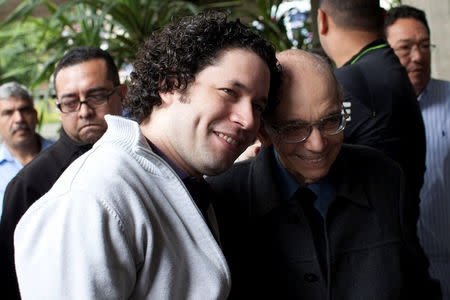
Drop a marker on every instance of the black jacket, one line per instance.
(32, 182)
(370, 247)
(385, 113)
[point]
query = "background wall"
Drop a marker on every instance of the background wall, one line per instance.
(438, 16)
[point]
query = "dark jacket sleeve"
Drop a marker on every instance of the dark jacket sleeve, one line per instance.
(15, 204)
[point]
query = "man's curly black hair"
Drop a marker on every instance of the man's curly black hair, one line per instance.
(172, 57)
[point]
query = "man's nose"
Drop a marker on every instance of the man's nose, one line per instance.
(85, 110)
(315, 141)
(417, 54)
(18, 116)
(243, 113)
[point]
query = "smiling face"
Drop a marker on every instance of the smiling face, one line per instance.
(217, 117)
(83, 80)
(18, 120)
(409, 33)
(307, 97)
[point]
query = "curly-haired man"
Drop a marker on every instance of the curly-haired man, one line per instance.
(131, 218)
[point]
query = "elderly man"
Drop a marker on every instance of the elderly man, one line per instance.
(87, 87)
(407, 32)
(383, 110)
(21, 143)
(311, 218)
(131, 218)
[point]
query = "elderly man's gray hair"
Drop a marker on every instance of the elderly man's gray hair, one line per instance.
(14, 89)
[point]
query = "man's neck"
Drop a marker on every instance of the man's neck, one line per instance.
(349, 43)
(155, 134)
(25, 152)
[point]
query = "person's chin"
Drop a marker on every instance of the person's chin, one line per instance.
(416, 76)
(217, 167)
(91, 134)
(22, 140)
(315, 176)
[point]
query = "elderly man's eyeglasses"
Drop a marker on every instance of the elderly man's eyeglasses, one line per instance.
(93, 102)
(405, 50)
(297, 132)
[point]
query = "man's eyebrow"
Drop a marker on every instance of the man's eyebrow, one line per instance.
(68, 95)
(403, 40)
(87, 92)
(407, 40)
(332, 112)
(290, 123)
(243, 87)
(296, 122)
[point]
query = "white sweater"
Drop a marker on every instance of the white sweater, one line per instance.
(118, 224)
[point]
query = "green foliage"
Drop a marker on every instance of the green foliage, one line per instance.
(270, 28)
(119, 26)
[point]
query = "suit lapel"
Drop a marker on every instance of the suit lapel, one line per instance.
(265, 194)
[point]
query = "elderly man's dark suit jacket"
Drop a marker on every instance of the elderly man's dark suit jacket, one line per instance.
(370, 248)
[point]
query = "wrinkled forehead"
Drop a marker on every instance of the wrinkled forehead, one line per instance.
(308, 97)
(407, 29)
(14, 102)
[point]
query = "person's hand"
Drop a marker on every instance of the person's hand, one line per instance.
(250, 152)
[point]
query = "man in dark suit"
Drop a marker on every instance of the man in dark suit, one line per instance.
(311, 218)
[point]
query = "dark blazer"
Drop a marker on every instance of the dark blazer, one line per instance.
(30, 184)
(370, 246)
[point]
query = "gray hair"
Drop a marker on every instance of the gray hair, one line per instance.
(14, 89)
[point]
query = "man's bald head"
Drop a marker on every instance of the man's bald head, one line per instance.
(298, 66)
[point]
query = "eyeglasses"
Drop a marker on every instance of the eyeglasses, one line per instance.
(406, 49)
(300, 131)
(92, 101)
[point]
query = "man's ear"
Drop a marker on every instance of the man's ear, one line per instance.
(263, 136)
(167, 98)
(322, 21)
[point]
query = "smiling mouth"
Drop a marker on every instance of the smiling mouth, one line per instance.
(312, 160)
(417, 70)
(226, 138)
